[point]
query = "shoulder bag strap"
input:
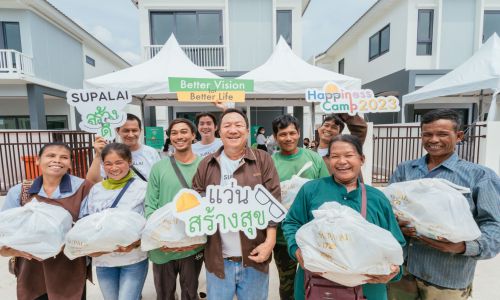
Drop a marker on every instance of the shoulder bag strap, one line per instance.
(138, 173)
(117, 199)
(181, 178)
(25, 187)
(363, 200)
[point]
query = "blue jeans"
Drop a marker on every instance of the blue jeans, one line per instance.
(247, 283)
(122, 283)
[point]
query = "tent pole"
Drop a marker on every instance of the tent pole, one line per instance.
(249, 125)
(313, 120)
(480, 108)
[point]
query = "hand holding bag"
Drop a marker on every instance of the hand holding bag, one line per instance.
(320, 288)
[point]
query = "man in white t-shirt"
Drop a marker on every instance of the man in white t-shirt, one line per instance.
(236, 264)
(207, 126)
(143, 156)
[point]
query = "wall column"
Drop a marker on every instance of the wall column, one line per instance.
(36, 105)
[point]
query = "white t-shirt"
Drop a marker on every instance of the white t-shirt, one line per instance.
(231, 244)
(204, 150)
(100, 199)
(261, 139)
(322, 151)
(143, 160)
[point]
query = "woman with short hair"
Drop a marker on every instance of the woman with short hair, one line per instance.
(344, 186)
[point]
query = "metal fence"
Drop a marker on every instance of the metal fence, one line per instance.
(19, 150)
(394, 144)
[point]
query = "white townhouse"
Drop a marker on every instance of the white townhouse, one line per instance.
(43, 53)
(227, 37)
(398, 46)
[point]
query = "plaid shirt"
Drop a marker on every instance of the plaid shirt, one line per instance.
(456, 271)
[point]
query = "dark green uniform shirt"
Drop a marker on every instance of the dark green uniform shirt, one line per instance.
(316, 192)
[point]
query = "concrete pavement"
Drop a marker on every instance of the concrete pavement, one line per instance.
(486, 281)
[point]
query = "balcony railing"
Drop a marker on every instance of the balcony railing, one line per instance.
(206, 56)
(15, 62)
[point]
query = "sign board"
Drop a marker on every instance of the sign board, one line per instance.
(333, 99)
(155, 137)
(101, 110)
(209, 89)
(229, 208)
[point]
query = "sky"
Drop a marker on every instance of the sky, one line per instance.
(116, 23)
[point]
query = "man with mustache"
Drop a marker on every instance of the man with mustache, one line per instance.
(440, 269)
(164, 183)
(288, 162)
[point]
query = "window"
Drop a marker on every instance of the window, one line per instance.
(57, 122)
(491, 23)
(10, 36)
(424, 31)
(15, 122)
(284, 25)
(189, 27)
(341, 66)
(23, 122)
(379, 43)
(90, 60)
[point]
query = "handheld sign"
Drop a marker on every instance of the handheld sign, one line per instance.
(230, 208)
(334, 99)
(101, 110)
(210, 89)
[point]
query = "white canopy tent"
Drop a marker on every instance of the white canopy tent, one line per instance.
(283, 79)
(150, 78)
(287, 75)
(477, 80)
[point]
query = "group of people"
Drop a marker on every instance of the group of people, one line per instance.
(236, 265)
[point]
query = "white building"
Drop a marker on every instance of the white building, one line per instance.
(43, 53)
(228, 37)
(398, 46)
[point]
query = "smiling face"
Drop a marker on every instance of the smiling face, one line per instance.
(206, 128)
(345, 162)
(288, 139)
(115, 166)
(328, 131)
(440, 137)
(181, 137)
(54, 161)
(130, 133)
(233, 132)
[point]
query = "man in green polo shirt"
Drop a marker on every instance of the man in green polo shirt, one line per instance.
(163, 185)
(288, 162)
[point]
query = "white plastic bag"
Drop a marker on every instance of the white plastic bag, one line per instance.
(343, 246)
(290, 188)
(164, 230)
(37, 228)
(435, 207)
(104, 231)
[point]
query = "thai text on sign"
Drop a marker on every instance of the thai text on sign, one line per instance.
(101, 109)
(229, 208)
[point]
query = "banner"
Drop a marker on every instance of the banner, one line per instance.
(229, 208)
(209, 90)
(333, 99)
(101, 110)
(155, 137)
